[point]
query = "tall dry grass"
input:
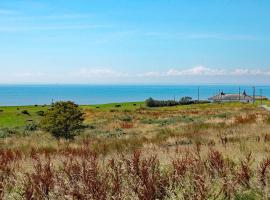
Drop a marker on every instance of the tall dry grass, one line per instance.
(83, 174)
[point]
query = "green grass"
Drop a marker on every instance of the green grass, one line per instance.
(11, 116)
(123, 106)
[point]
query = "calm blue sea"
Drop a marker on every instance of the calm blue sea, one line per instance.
(97, 94)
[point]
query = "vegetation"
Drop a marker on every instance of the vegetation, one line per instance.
(183, 101)
(82, 175)
(197, 151)
(62, 119)
(25, 112)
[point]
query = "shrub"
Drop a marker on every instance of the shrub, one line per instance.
(183, 101)
(6, 132)
(156, 103)
(126, 118)
(63, 119)
(150, 102)
(31, 126)
(40, 113)
(25, 112)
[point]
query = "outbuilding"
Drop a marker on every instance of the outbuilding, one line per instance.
(230, 97)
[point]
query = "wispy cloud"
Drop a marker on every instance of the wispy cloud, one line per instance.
(199, 70)
(151, 74)
(28, 75)
(99, 73)
(108, 75)
(206, 71)
(194, 71)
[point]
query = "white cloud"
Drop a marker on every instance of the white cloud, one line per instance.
(242, 71)
(151, 74)
(107, 75)
(28, 74)
(99, 73)
(199, 70)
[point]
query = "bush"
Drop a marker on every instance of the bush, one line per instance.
(156, 103)
(31, 127)
(183, 101)
(40, 113)
(126, 118)
(63, 119)
(25, 112)
(7, 132)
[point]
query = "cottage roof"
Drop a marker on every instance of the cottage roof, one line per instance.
(231, 97)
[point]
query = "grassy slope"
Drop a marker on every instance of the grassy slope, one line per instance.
(11, 116)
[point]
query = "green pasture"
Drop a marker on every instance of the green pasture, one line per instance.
(13, 116)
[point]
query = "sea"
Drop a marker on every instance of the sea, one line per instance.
(17, 95)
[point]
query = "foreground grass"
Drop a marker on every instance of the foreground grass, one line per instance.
(213, 151)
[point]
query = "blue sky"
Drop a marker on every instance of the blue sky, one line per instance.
(135, 41)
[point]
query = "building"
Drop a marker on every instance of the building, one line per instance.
(261, 98)
(222, 97)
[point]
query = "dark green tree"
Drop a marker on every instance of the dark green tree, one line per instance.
(63, 119)
(186, 99)
(150, 102)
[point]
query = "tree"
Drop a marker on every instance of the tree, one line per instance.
(150, 102)
(185, 99)
(63, 119)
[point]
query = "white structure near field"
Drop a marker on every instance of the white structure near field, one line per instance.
(230, 97)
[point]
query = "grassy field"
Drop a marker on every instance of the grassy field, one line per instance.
(130, 151)
(12, 116)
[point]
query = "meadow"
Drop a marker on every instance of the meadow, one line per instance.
(130, 151)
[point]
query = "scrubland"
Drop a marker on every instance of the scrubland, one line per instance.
(129, 151)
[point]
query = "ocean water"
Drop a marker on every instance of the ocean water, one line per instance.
(11, 95)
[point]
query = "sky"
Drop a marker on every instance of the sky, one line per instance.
(135, 42)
